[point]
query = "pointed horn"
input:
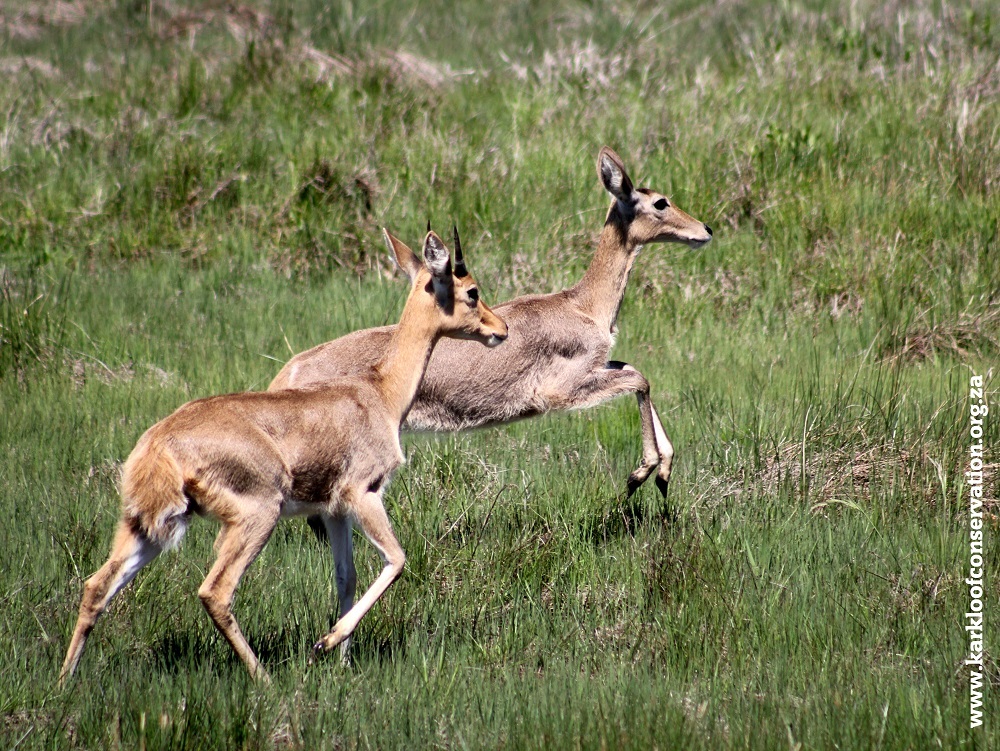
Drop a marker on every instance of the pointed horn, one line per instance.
(460, 269)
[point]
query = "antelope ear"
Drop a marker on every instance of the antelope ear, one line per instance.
(436, 257)
(612, 171)
(405, 258)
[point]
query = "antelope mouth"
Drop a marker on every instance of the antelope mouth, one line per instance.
(698, 243)
(690, 240)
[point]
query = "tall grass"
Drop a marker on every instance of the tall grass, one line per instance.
(191, 192)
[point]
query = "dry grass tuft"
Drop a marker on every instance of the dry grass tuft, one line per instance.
(578, 61)
(326, 182)
(987, 85)
(29, 21)
(831, 476)
(842, 472)
(246, 23)
(845, 303)
(31, 65)
(225, 190)
(327, 66)
(53, 132)
(243, 22)
(84, 370)
(400, 67)
(964, 336)
(410, 67)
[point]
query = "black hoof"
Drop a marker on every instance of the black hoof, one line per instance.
(633, 485)
(662, 485)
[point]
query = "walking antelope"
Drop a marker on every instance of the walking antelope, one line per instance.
(249, 459)
(557, 354)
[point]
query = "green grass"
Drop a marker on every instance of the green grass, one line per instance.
(190, 192)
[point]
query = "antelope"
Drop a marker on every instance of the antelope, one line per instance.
(556, 357)
(249, 459)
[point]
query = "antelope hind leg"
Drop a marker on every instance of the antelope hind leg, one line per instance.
(130, 551)
(238, 544)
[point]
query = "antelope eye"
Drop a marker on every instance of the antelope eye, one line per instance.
(474, 295)
(660, 204)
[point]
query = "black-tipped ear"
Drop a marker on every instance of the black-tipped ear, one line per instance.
(436, 256)
(405, 258)
(613, 175)
(460, 269)
(428, 225)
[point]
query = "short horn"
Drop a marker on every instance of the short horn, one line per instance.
(460, 269)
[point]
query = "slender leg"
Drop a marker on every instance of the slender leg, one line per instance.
(238, 544)
(369, 513)
(666, 449)
(129, 553)
(650, 452)
(619, 378)
(615, 379)
(339, 532)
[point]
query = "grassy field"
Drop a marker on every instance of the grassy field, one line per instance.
(190, 192)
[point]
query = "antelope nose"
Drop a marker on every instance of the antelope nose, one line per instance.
(708, 230)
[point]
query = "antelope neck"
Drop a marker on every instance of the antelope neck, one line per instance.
(402, 366)
(599, 294)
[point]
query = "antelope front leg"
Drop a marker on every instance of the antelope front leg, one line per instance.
(666, 450)
(657, 452)
(369, 514)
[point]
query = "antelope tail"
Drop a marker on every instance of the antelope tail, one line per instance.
(153, 493)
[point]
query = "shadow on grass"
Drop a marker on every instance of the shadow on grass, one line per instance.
(624, 518)
(205, 649)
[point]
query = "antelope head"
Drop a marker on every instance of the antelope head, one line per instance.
(647, 216)
(461, 313)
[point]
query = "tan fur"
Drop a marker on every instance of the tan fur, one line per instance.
(153, 493)
(248, 459)
(557, 354)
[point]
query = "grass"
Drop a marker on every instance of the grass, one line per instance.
(192, 191)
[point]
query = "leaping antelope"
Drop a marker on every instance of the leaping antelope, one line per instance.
(249, 459)
(557, 355)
